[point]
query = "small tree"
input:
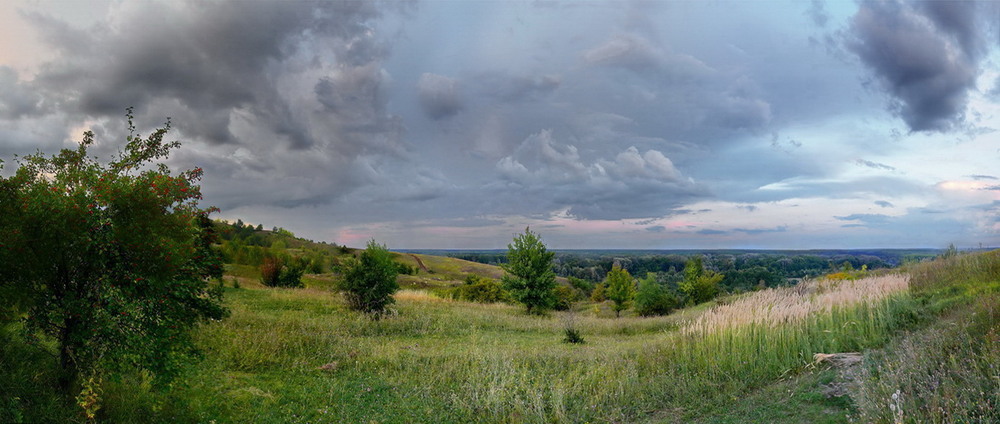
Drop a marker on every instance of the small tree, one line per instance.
(370, 280)
(620, 288)
(699, 285)
(528, 273)
(653, 299)
(110, 261)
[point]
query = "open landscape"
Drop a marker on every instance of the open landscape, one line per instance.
(928, 329)
(499, 211)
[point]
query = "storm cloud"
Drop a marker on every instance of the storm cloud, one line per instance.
(925, 56)
(453, 124)
(631, 185)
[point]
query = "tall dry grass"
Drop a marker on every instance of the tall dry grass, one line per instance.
(780, 306)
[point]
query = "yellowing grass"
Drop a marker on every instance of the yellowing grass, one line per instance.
(418, 296)
(780, 306)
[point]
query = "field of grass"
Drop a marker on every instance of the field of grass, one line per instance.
(440, 271)
(298, 355)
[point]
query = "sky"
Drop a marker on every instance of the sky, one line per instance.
(601, 125)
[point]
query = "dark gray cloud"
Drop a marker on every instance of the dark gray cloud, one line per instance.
(925, 56)
(875, 165)
(884, 204)
(269, 95)
(982, 177)
(17, 99)
(631, 185)
(710, 232)
(656, 229)
(439, 95)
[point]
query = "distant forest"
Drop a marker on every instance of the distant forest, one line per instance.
(743, 269)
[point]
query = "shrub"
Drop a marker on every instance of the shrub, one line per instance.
(565, 296)
(599, 294)
(270, 271)
(480, 289)
(585, 287)
(654, 299)
(370, 280)
(274, 272)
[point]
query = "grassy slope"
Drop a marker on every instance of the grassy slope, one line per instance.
(443, 361)
(440, 271)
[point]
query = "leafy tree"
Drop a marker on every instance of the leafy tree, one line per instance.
(699, 285)
(599, 294)
(620, 288)
(110, 261)
(653, 299)
(528, 273)
(370, 280)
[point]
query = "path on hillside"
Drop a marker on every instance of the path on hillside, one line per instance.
(420, 263)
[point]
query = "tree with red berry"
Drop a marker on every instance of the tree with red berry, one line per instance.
(107, 264)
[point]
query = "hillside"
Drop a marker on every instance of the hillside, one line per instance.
(244, 246)
(300, 355)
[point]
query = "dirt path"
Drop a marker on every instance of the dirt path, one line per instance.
(420, 263)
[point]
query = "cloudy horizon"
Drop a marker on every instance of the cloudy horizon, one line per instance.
(448, 124)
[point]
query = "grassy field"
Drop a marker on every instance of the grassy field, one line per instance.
(298, 355)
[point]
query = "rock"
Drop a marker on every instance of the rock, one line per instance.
(839, 360)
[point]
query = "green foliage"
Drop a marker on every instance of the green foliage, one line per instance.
(275, 272)
(480, 289)
(699, 285)
(565, 296)
(528, 274)
(653, 299)
(109, 261)
(370, 281)
(405, 269)
(620, 289)
(572, 335)
(599, 294)
(585, 287)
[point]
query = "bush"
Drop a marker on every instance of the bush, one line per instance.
(405, 269)
(275, 273)
(599, 294)
(480, 289)
(654, 299)
(565, 296)
(585, 287)
(370, 280)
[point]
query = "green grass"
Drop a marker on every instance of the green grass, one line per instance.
(443, 361)
(298, 355)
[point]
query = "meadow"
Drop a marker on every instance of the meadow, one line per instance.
(299, 355)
